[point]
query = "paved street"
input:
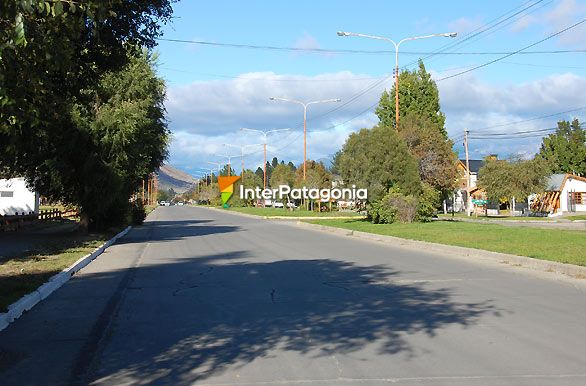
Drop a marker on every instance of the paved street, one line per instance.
(197, 296)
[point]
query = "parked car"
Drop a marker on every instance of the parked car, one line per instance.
(164, 203)
(291, 205)
(180, 203)
(278, 205)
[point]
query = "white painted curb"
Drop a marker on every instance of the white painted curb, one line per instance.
(575, 271)
(28, 301)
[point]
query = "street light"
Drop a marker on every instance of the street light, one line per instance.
(218, 164)
(265, 133)
(229, 158)
(447, 35)
(304, 121)
(241, 147)
(211, 173)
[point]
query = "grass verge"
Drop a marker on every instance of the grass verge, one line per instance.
(578, 217)
(149, 208)
(563, 246)
(491, 218)
(288, 213)
(24, 274)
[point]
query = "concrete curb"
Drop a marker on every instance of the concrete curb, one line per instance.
(28, 301)
(571, 270)
(292, 218)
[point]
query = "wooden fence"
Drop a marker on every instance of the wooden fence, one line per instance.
(14, 222)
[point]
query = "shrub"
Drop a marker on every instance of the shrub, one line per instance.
(428, 202)
(137, 213)
(394, 206)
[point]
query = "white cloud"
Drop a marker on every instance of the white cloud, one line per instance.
(478, 105)
(562, 15)
(308, 42)
(205, 115)
(465, 25)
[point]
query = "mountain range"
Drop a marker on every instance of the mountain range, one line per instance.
(171, 178)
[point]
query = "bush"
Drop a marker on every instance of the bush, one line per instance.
(394, 206)
(428, 202)
(137, 213)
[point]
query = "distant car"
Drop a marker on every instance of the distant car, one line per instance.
(180, 203)
(291, 205)
(164, 203)
(278, 205)
(268, 203)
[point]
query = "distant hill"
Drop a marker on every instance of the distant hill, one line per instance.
(171, 178)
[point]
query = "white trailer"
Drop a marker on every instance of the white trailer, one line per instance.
(16, 198)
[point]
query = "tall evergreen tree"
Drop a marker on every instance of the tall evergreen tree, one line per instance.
(418, 94)
(565, 150)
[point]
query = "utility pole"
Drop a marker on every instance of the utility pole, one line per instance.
(304, 104)
(265, 134)
(241, 147)
(142, 191)
(468, 200)
(447, 35)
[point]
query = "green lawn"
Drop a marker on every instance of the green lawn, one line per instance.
(578, 217)
(288, 213)
(490, 218)
(547, 244)
(24, 274)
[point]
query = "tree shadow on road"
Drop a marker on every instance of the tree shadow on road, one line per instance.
(225, 311)
(161, 231)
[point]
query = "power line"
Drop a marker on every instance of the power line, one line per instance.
(238, 77)
(375, 52)
(513, 53)
(533, 119)
(481, 30)
(507, 134)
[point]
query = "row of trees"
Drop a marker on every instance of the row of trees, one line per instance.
(561, 152)
(81, 106)
(317, 176)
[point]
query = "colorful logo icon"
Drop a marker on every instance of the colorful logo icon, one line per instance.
(227, 188)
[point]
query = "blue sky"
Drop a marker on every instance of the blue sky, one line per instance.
(213, 91)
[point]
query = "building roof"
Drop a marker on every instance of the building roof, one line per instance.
(475, 164)
(554, 182)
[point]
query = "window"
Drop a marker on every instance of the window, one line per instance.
(6, 193)
(579, 198)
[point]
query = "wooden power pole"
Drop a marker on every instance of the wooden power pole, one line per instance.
(468, 200)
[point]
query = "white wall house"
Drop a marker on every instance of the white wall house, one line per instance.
(573, 194)
(16, 198)
(565, 194)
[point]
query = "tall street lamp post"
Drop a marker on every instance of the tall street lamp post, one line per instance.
(241, 147)
(448, 34)
(265, 134)
(229, 158)
(304, 104)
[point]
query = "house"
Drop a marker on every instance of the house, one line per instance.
(460, 196)
(16, 198)
(564, 193)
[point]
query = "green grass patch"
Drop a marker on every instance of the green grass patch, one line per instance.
(24, 274)
(564, 246)
(149, 208)
(491, 218)
(578, 217)
(289, 213)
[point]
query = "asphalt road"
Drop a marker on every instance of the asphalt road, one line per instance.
(198, 296)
